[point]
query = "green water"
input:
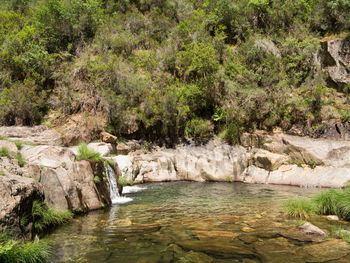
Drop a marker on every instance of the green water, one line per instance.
(194, 222)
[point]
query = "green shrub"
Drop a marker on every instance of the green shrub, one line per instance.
(200, 129)
(85, 153)
(131, 182)
(4, 152)
(231, 134)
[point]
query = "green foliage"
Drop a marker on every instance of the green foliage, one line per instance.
(97, 179)
(44, 218)
(20, 160)
(299, 208)
(199, 129)
(19, 251)
(131, 182)
(4, 152)
(85, 153)
(330, 202)
(341, 233)
(122, 181)
(160, 70)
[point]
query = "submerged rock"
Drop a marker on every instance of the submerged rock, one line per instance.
(332, 218)
(334, 249)
(310, 229)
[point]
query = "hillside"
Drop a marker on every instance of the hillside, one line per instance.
(163, 70)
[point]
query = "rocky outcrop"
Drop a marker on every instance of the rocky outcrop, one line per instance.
(17, 194)
(37, 134)
(10, 146)
(67, 184)
(108, 138)
(334, 58)
(215, 161)
(266, 158)
(127, 147)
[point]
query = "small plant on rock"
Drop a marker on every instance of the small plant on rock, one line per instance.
(4, 152)
(122, 181)
(20, 160)
(44, 217)
(97, 180)
(85, 153)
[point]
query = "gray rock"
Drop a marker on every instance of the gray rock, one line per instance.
(108, 138)
(48, 156)
(9, 146)
(334, 58)
(17, 195)
(37, 134)
(310, 229)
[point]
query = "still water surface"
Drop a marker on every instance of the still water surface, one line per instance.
(193, 222)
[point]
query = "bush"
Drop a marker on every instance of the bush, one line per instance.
(85, 153)
(199, 129)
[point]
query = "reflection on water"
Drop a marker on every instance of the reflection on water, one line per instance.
(193, 222)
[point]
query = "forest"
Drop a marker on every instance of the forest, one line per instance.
(158, 69)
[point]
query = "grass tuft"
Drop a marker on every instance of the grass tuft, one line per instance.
(4, 152)
(25, 252)
(85, 153)
(20, 160)
(330, 202)
(44, 217)
(299, 208)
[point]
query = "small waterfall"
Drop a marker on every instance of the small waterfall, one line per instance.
(113, 187)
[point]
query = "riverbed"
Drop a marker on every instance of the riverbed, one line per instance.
(194, 222)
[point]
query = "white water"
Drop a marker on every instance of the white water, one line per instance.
(132, 189)
(113, 187)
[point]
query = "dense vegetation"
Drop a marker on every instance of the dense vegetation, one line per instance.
(329, 202)
(169, 68)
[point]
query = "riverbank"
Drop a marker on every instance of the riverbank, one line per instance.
(51, 171)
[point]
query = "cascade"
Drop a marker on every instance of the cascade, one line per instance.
(113, 187)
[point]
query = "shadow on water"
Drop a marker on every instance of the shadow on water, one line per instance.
(188, 222)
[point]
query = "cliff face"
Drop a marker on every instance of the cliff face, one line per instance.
(334, 58)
